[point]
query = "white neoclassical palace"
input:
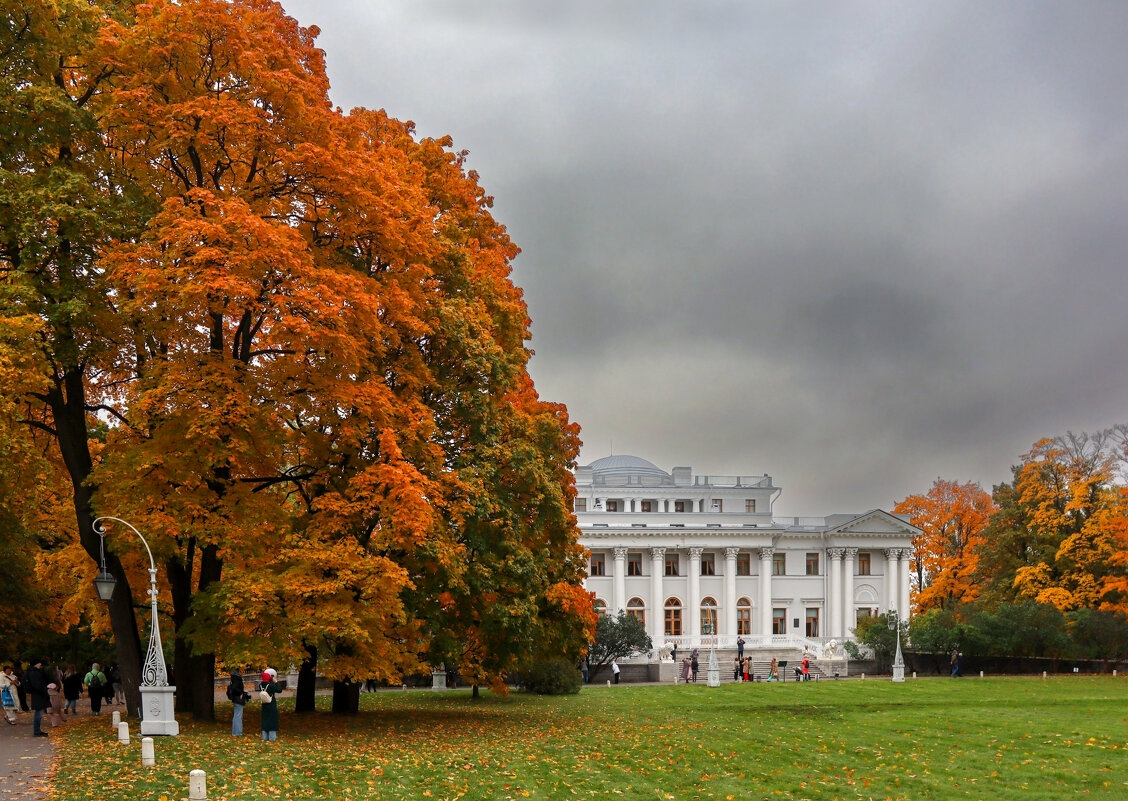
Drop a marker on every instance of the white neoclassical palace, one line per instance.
(698, 555)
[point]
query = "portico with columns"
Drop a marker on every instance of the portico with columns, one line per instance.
(679, 549)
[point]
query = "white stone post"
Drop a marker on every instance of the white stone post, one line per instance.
(197, 786)
(115, 719)
(148, 752)
(123, 733)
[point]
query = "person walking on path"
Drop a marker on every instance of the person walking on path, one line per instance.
(21, 690)
(38, 695)
(615, 670)
(773, 670)
(72, 690)
(55, 691)
(693, 664)
(272, 688)
(9, 695)
(95, 682)
(685, 669)
(117, 684)
(238, 696)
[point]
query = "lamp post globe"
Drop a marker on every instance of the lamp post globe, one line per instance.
(898, 660)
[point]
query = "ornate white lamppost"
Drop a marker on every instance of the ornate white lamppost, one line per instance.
(898, 660)
(158, 714)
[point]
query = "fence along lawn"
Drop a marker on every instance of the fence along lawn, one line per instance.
(994, 738)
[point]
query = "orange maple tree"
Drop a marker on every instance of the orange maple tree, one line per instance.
(295, 332)
(952, 518)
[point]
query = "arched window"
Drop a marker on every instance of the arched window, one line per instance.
(673, 617)
(744, 616)
(636, 607)
(709, 616)
(600, 606)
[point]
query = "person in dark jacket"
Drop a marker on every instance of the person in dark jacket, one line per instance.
(270, 686)
(72, 690)
(36, 681)
(238, 696)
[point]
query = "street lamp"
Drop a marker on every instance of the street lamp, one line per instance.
(898, 660)
(713, 673)
(158, 714)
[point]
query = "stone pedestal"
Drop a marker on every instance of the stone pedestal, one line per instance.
(438, 680)
(158, 711)
(714, 669)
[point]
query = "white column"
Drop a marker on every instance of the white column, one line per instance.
(693, 623)
(766, 591)
(903, 578)
(834, 594)
(849, 614)
(729, 627)
(657, 599)
(892, 592)
(620, 598)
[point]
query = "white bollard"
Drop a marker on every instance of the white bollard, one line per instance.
(123, 733)
(115, 719)
(1114, 673)
(148, 752)
(914, 674)
(981, 674)
(863, 677)
(197, 786)
(1043, 674)
(609, 682)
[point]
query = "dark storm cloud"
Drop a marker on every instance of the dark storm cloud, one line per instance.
(854, 245)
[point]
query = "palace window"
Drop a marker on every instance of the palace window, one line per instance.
(813, 622)
(812, 564)
(673, 617)
(679, 506)
(750, 505)
(581, 504)
(598, 564)
(637, 608)
(718, 505)
(743, 564)
(646, 506)
(708, 616)
(743, 616)
(863, 564)
(708, 564)
(634, 564)
(779, 564)
(672, 565)
(779, 621)
(612, 506)
(600, 606)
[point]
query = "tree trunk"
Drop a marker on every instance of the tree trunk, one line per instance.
(346, 697)
(194, 674)
(306, 700)
(68, 411)
(474, 693)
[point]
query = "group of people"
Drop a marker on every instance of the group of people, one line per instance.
(52, 693)
(269, 688)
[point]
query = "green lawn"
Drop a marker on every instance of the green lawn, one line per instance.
(1005, 738)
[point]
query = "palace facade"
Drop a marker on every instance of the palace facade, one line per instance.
(702, 561)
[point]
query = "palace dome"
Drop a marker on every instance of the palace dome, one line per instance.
(624, 470)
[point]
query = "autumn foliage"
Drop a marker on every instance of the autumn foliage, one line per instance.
(282, 340)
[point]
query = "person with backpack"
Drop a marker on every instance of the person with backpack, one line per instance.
(268, 694)
(95, 682)
(238, 696)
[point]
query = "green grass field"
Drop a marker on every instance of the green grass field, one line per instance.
(1003, 738)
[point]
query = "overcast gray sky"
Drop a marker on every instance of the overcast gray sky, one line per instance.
(854, 245)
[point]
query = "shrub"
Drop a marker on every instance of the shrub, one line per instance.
(553, 677)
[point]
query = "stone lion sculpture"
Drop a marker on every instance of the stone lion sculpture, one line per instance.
(830, 650)
(666, 651)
